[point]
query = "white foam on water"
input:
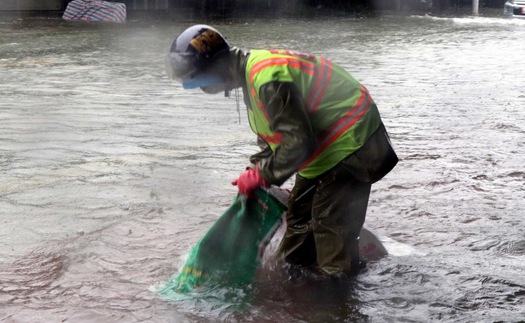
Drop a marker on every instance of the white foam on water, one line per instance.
(399, 249)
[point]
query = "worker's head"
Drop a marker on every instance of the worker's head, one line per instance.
(198, 58)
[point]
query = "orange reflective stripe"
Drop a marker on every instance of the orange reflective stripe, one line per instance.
(302, 55)
(322, 79)
(259, 103)
(273, 139)
(343, 124)
(306, 67)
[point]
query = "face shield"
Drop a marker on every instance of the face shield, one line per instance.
(179, 66)
(212, 79)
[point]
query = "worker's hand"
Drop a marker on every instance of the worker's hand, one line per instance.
(249, 181)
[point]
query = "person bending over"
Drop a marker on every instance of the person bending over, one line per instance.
(317, 122)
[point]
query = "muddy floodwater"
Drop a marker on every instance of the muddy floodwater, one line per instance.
(109, 172)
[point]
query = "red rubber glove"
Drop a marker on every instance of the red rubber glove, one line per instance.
(249, 181)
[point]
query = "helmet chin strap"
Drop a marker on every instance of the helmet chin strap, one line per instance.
(237, 100)
(238, 105)
(227, 90)
(228, 87)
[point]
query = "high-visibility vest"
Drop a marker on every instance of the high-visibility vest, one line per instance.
(341, 111)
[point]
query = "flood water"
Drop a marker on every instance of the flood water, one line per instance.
(109, 173)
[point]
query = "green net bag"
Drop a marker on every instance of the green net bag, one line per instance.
(230, 252)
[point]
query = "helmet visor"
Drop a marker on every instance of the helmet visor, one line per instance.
(179, 66)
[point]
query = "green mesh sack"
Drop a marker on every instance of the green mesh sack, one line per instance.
(230, 252)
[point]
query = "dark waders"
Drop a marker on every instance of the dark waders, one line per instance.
(324, 219)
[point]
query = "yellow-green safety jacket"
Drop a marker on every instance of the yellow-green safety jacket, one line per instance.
(309, 110)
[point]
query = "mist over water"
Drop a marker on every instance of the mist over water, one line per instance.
(109, 173)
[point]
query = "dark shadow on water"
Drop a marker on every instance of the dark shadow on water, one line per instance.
(308, 297)
(275, 296)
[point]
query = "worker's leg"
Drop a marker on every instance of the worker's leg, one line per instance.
(338, 213)
(298, 246)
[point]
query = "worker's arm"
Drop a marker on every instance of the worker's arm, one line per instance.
(288, 116)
